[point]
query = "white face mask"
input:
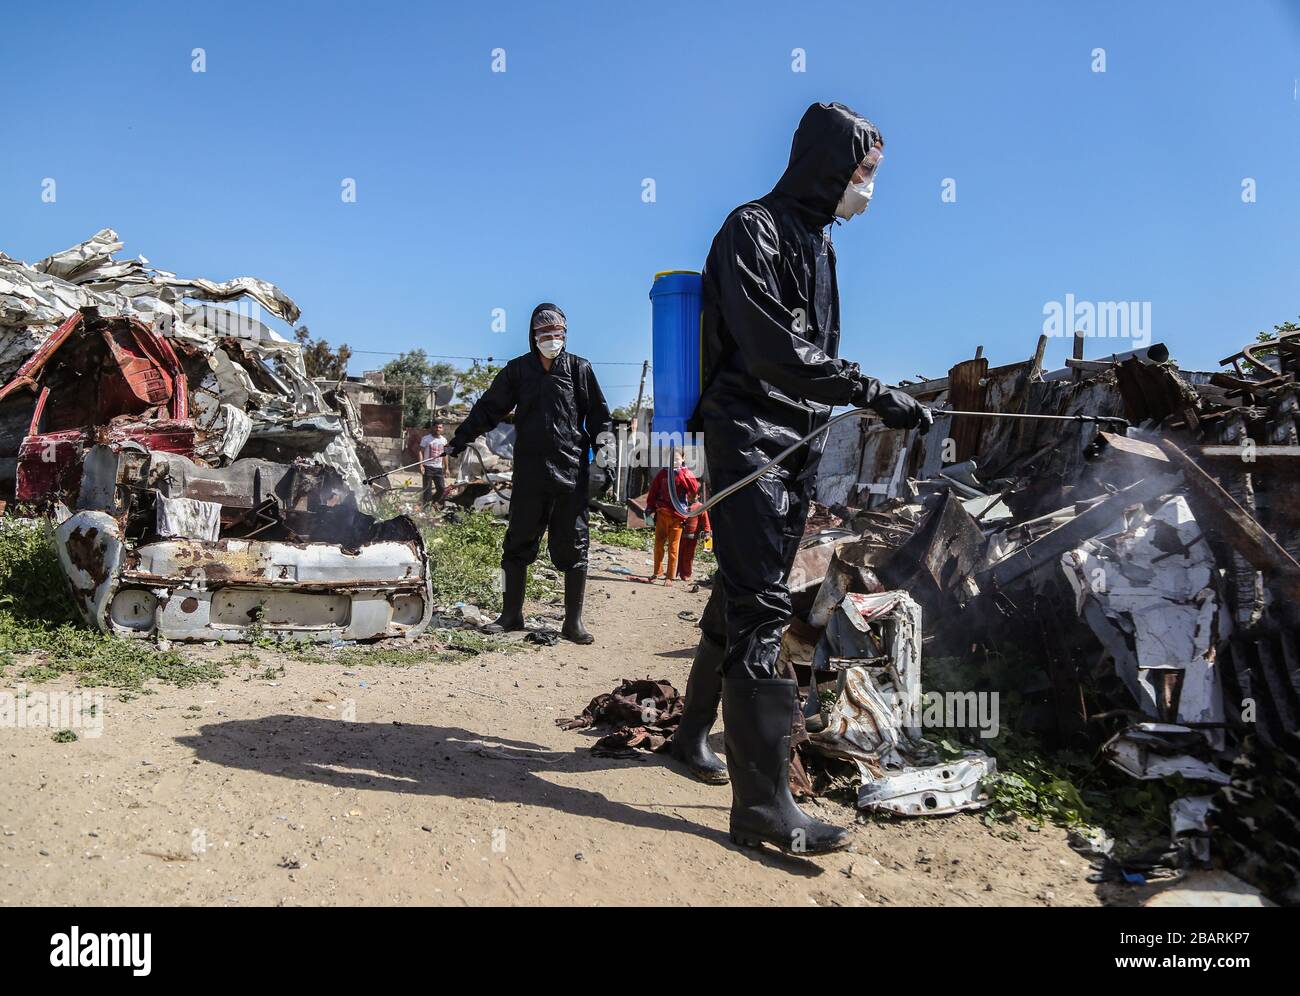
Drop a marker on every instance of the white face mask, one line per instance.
(855, 199)
(857, 196)
(551, 348)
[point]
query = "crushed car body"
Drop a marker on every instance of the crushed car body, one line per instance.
(115, 379)
(203, 486)
(161, 546)
(181, 588)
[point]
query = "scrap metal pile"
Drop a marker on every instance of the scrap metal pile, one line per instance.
(204, 486)
(1148, 579)
(484, 475)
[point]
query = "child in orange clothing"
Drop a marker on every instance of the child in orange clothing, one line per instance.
(668, 523)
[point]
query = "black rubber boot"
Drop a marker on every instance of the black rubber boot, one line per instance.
(575, 587)
(512, 608)
(690, 743)
(757, 716)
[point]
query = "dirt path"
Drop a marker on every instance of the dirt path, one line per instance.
(451, 785)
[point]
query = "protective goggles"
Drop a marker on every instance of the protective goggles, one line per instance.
(545, 332)
(866, 171)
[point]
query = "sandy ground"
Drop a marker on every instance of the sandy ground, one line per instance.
(451, 784)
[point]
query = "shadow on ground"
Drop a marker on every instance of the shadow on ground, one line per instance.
(422, 760)
(437, 761)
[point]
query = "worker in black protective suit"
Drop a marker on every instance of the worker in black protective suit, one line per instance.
(560, 415)
(769, 342)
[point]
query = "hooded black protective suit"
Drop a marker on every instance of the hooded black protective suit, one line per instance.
(770, 339)
(560, 414)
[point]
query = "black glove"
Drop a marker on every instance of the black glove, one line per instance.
(865, 390)
(902, 411)
(896, 409)
(455, 449)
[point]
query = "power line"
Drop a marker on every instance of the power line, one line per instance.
(435, 356)
(487, 359)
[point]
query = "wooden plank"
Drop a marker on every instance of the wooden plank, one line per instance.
(1227, 457)
(1135, 448)
(967, 391)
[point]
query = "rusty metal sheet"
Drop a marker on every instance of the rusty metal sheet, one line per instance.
(381, 420)
(814, 556)
(1152, 391)
(943, 551)
(91, 552)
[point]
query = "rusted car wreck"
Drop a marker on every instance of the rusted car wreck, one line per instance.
(203, 488)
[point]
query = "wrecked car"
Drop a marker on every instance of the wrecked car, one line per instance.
(202, 485)
(161, 546)
(116, 379)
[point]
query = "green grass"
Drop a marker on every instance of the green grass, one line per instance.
(97, 658)
(1079, 792)
(632, 539)
(38, 617)
(465, 562)
(31, 582)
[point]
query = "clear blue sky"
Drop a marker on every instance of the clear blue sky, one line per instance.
(479, 190)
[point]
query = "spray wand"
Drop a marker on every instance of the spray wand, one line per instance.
(683, 510)
(420, 463)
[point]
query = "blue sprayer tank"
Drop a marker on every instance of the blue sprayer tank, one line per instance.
(675, 324)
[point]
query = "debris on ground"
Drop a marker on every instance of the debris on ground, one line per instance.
(641, 714)
(1149, 576)
(1125, 597)
(872, 644)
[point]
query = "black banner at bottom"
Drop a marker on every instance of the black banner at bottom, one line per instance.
(231, 945)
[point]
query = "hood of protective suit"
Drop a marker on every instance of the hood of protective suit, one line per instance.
(532, 339)
(830, 142)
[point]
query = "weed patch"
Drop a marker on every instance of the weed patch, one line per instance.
(38, 617)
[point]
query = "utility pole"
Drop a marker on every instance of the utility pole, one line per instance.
(624, 463)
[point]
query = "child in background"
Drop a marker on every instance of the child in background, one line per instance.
(433, 464)
(693, 529)
(668, 524)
